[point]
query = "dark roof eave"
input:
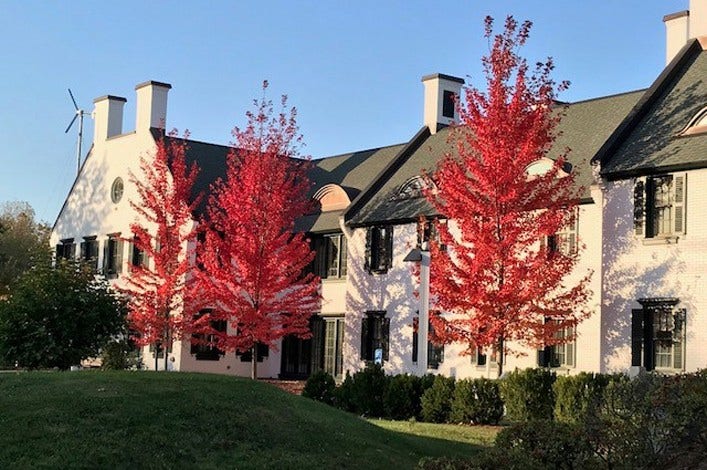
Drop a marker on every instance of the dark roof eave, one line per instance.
(648, 171)
(376, 184)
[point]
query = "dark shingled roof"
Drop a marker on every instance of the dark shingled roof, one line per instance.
(585, 127)
(352, 171)
(646, 142)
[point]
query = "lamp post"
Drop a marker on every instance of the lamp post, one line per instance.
(422, 255)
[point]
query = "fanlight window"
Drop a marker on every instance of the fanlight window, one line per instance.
(543, 166)
(332, 197)
(414, 187)
(697, 124)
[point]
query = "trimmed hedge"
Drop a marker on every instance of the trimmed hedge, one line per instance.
(577, 397)
(437, 400)
(477, 401)
(362, 393)
(528, 395)
(402, 397)
(320, 386)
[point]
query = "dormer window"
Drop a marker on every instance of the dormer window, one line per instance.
(413, 188)
(696, 125)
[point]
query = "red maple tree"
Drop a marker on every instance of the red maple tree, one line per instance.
(253, 262)
(163, 242)
(500, 282)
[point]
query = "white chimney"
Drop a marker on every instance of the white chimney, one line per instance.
(107, 117)
(682, 26)
(151, 105)
(440, 99)
(677, 33)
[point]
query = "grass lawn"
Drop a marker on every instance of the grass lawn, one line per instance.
(161, 420)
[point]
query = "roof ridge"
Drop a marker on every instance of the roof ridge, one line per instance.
(344, 154)
(605, 97)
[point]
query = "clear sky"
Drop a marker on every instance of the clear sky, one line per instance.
(352, 68)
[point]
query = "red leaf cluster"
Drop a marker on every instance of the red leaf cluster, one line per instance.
(253, 261)
(498, 283)
(158, 289)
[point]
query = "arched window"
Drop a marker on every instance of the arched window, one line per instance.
(414, 187)
(332, 197)
(697, 124)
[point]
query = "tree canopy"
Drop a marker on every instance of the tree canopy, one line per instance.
(58, 316)
(505, 277)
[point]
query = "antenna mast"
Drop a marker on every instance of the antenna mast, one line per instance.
(79, 114)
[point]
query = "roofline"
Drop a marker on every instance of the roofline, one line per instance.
(645, 103)
(348, 154)
(676, 15)
(615, 95)
(376, 184)
(71, 190)
(442, 76)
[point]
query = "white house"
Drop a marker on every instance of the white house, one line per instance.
(640, 156)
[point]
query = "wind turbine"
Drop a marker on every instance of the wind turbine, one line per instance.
(79, 114)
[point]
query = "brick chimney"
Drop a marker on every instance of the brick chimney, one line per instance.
(107, 117)
(440, 92)
(151, 105)
(684, 25)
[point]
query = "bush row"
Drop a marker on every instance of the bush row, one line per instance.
(604, 421)
(432, 398)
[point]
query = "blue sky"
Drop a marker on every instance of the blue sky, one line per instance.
(352, 69)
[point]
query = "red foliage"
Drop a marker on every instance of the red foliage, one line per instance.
(498, 281)
(157, 289)
(253, 262)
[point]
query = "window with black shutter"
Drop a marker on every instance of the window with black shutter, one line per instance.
(435, 352)
(375, 336)
(659, 206)
(113, 256)
(137, 256)
(203, 345)
(89, 251)
(559, 355)
(658, 334)
(379, 249)
(247, 356)
(66, 249)
(330, 256)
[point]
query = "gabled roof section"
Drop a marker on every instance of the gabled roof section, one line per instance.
(647, 141)
(584, 128)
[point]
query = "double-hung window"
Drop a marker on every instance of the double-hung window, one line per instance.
(66, 249)
(435, 352)
(113, 256)
(375, 336)
(89, 251)
(203, 345)
(379, 249)
(561, 354)
(659, 206)
(658, 335)
(331, 256)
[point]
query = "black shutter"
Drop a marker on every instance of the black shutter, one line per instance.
(83, 253)
(59, 251)
(388, 262)
(415, 338)
(369, 251)
(639, 208)
(263, 351)
(94, 253)
(366, 353)
(385, 336)
(636, 336)
(317, 343)
(544, 356)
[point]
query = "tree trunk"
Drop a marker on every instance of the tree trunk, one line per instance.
(501, 357)
(157, 355)
(254, 362)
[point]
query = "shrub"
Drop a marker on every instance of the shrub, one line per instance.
(362, 393)
(119, 355)
(651, 420)
(487, 459)
(320, 386)
(477, 401)
(402, 397)
(549, 444)
(528, 395)
(436, 402)
(577, 397)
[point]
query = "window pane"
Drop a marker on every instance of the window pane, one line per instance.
(333, 255)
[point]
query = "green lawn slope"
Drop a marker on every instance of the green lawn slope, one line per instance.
(180, 420)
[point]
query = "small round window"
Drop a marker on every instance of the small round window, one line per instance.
(116, 191)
